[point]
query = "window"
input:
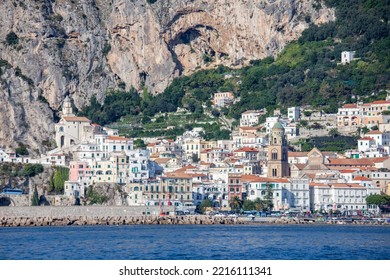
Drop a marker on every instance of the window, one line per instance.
(274, 172)
(274, 154)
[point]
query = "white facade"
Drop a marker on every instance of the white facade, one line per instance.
(250, 118)
(347, 56)
(380, 138)
(71, 130)
(74, 189)
(287, 194)
(294, 113)
(342, 197)
(139, 165)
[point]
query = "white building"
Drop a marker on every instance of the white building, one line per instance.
(251, 117)
(71, 130)
(294, 113)
(74, 189)
(286, 194)
(271, 121)
(139, 164)
(338, 196)
(380, 138)
(347, 56)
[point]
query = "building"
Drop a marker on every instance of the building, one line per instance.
(347, 56)
(337, 196)
(71, 130)
(223, 99)
(372, 112)
(251, 117)
(294, 113)
(380, 138)
(349, 115)
(278, 166)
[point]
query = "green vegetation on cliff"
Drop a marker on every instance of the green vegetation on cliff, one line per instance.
(307, 72)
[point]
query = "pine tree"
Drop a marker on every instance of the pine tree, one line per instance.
(35, 198)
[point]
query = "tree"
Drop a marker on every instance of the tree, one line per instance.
(382, 201)
(259, 204)
(21, 150)
(94, 197)
(195, 158)
(204, 205)
(248, 205)
(268, 199)
(139, 144)
(35, 198)
(334, 132)
(12, 38)
(60, 176)
(365, 130)
(236, 204)
(30, 170)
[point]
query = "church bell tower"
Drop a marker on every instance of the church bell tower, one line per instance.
(278, 166)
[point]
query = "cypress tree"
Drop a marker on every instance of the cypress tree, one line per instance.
(35, 198)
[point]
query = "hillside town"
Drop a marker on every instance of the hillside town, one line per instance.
(256, 163)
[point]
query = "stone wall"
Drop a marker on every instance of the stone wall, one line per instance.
(101, 215)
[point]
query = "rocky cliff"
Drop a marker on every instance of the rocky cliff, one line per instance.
(53, 48)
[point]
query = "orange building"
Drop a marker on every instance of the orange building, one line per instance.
(372, 112)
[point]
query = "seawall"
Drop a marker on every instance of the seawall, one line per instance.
(101, 215)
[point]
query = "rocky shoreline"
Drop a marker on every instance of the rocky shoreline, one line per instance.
(121, 220)
(165, 220)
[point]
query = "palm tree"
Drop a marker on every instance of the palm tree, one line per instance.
(235, 203)
(259, 204)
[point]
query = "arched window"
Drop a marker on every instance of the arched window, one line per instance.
(274, 154)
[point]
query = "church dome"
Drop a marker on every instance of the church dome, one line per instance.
(278, 126)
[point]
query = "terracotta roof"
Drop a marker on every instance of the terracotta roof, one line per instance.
(117, 138)
(374, 132)
(246, 149)
(350, 161)
(185, 168)
(76, 119)
(350, 106)
(366, 138)
(379, 159)
(162, 160)
(313, 184)
(249, 178)
(380, 102)
(177, 175)
(343, 185)
(297, 154)
(300, 166)
(255, 178)
(347, 171)
(361, 178)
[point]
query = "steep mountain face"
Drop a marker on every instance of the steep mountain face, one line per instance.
(53, 48)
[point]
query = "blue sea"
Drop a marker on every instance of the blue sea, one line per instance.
(197, 242)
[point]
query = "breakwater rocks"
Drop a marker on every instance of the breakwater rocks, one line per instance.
(119, 220)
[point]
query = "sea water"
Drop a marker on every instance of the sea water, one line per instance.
(197, 242)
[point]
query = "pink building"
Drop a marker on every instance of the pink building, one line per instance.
(78, 170)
